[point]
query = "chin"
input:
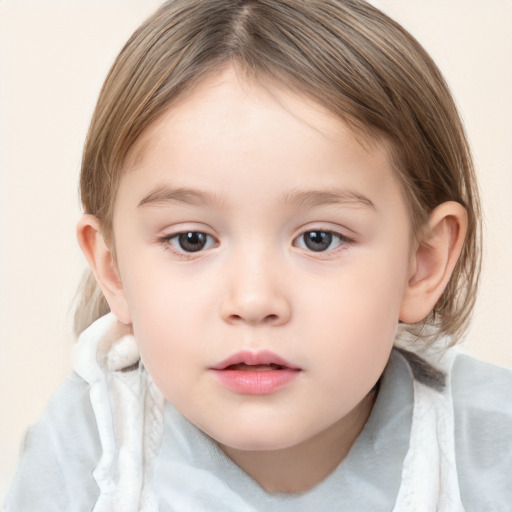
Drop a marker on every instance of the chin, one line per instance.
(257, 440)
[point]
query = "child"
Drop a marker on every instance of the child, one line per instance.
(278, 194)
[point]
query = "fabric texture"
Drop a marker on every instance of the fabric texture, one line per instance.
(129, 413)
(110, 442)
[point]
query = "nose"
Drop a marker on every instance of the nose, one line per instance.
(255, 292)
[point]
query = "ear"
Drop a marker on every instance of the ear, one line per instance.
(438, 249)
(102, 262)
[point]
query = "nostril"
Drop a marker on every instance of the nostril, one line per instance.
(252, 308)
(270, 319)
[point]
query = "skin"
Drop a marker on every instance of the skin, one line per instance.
(261, 172)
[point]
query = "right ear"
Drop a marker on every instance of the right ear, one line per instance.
(102, 262)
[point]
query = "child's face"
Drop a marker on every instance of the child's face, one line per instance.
(251, 229)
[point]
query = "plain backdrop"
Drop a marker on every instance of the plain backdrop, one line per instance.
(53, 58)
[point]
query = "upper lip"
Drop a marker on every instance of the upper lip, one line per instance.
(254, 358)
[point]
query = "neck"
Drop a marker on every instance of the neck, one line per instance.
(299, 468)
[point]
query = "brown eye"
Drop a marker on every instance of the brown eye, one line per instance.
(192, 241)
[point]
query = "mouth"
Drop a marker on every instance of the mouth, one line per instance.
(262, 361)
(242, 367)
(259, 373)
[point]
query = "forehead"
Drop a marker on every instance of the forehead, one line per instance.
(231, 87)
(232, 135)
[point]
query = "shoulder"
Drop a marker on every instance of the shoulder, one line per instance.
(482, 402)
(59, 455)
(69, 422)
(481, 394)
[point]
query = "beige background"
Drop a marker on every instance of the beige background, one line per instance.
(53, 58)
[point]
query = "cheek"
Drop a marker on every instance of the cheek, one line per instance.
(173, 320)
(357, 317)
(168, 353)
(157, 297)
(364, 295)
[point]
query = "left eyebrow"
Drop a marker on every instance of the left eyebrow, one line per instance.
(312, 198)
(163, 195)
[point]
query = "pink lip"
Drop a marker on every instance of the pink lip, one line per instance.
(260, 381)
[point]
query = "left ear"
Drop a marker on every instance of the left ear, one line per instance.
(432, 263)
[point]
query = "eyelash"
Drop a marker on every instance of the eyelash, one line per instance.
(173, 242)
(326, 235)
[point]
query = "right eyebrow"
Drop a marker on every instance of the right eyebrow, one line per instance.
(164, 194)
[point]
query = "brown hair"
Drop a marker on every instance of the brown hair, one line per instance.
(344, 54)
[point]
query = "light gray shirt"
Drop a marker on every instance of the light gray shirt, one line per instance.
(61, 451)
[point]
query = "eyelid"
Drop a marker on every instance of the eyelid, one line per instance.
(327, 227)
(185, 227)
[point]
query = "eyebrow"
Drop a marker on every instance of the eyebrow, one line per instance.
(314, 198)
(163, 194)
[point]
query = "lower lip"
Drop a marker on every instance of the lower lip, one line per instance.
(256, 383)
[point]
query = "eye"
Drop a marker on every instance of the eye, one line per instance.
(191, 241)
(320, 241)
